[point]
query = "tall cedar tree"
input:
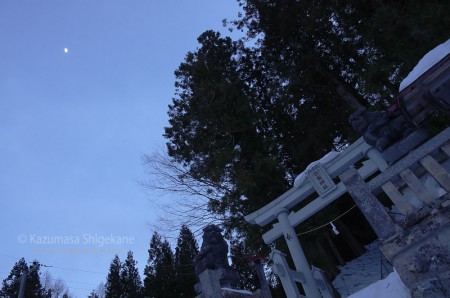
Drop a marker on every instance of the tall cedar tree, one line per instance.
(113, 287)
(217, 128)
(186, 250)
(234, 126)
(130, 278)
(326, 52)
(159, 281)
(249, 120)
(370, 45)
(11, 285)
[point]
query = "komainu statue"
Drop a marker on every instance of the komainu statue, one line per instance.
(214, 251)
(214, 275)
(378, 128)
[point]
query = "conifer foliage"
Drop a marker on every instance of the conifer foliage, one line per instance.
(159, 281)
(186, 250)
(130, 278)
(113, 287)
(123, 279)
(241, 261)
(11, 285)
(166, 274)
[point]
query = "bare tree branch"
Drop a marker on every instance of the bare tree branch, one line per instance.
(182, 198)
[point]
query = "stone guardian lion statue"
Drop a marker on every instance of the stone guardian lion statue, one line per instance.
(214, 251)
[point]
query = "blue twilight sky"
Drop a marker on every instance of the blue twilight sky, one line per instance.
(74, 126)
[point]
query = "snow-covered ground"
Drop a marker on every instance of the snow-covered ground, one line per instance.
(390, 287)
(370, 276)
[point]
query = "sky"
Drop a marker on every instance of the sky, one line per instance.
(75, 123)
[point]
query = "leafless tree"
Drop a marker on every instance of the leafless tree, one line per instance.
(57, 286)
(46, 280)
(182, 198)
(100, 290)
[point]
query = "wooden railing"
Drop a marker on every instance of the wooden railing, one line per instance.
(416, 185)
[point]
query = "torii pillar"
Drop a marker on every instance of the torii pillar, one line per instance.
(298, 256)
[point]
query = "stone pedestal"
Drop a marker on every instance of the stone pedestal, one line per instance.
(212, 281)
(421, 254)
(216, 284)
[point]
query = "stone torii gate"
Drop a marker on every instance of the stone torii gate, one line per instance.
(284, 220)
(403, 180)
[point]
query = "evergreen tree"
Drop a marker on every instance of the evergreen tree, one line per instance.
(130, 278)
(218, 126)
(159, 281)
(113, 287)
(241, 262)
(371, 45)
(11, 285)
(150, 269)
(48, 293)
(185, 252)
(33, 286)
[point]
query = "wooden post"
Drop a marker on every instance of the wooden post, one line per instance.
(437, 171)
(417, 186)
(397, 198)
(264, 285)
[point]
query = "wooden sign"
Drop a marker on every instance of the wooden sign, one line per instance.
(320, 179)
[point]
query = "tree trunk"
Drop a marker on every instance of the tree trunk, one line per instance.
(334, 249)
(328, 262)
(354, 244)
(344, 90)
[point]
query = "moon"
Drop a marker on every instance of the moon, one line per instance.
(66, 50)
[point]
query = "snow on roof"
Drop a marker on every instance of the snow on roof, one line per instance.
(300, 179)
(430, 59)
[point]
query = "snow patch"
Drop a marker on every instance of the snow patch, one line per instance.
(362, 277)
(430, 59)
(433, 187)
(323, 161)
(391, 286)
(363, 271)
(237, 291)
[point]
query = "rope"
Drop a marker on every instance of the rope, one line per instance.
(324, 225)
